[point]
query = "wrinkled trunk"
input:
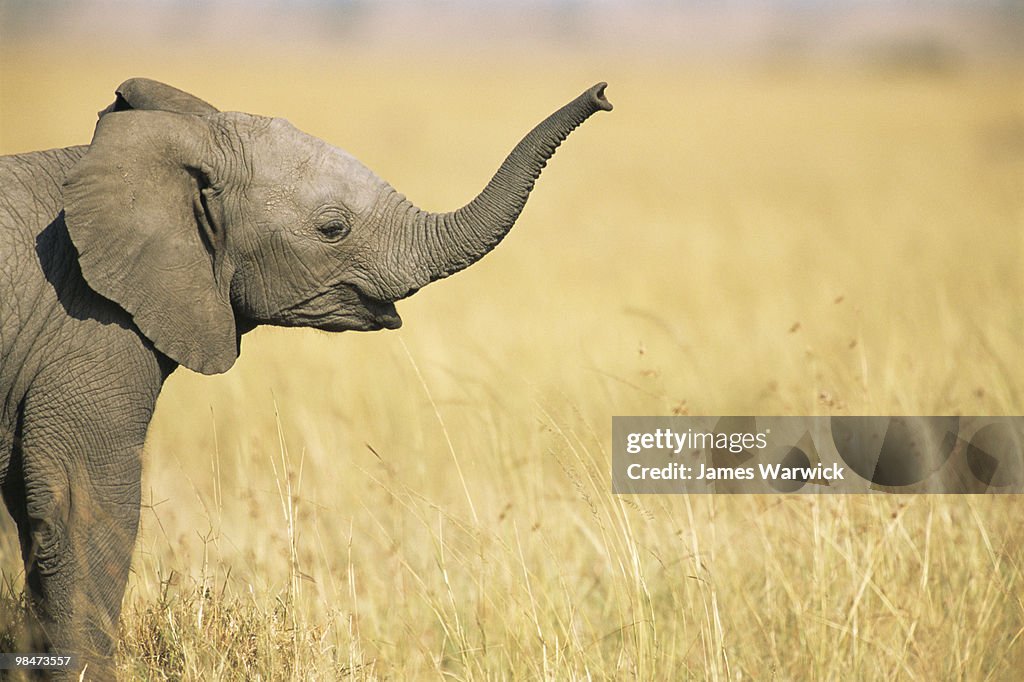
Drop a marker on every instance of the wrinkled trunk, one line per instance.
(436, 245)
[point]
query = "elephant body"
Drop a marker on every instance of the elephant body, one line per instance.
(175, 232)
(78, 385)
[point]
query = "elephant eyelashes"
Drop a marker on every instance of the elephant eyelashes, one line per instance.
(333, 231)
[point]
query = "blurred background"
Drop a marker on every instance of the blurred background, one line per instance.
(925, 33)
(919, 36)
(796, 207)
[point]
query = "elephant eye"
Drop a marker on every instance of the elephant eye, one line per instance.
(334, 231)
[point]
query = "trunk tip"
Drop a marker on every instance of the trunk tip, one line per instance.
(597, 97)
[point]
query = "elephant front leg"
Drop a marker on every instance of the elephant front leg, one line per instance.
(77, 517)
(77, 558)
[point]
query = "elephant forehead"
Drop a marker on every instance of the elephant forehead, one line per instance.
(299, 169)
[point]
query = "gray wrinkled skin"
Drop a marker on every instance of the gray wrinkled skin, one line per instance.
(176, 231)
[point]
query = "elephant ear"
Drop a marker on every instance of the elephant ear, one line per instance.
(141, 213)
(146, 94)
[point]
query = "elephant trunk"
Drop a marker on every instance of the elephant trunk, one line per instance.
(436, 245)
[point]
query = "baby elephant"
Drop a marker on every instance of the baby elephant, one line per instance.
(176, 231)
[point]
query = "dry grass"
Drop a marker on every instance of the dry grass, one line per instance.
(435, 502)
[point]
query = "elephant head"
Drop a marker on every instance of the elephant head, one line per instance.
(202, 224)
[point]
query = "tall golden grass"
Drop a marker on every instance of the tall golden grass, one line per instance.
(435, 502)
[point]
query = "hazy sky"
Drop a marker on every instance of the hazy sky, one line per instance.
(794, 26)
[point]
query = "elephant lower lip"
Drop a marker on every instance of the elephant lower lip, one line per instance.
(387, 317)
(381, 312)
(389, 321)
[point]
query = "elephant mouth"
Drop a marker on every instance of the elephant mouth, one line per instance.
(346, 308)
(369, 314)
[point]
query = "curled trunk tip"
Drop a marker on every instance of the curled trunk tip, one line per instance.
(597, 96)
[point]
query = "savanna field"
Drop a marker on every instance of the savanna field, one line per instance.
(435, 502)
